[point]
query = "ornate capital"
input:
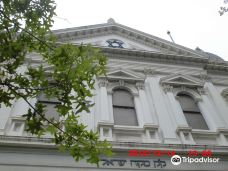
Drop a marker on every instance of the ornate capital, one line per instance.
(167, 88)
(103, 83)
(140, 86)
(201, 91)
(121, 82)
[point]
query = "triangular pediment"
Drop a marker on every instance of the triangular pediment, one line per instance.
(182, 80)
(125, 42)
(130, 39)
(124, 75)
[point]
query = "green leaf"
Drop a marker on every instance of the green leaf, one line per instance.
(25, 28)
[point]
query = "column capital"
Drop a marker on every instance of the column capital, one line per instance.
(103, 83)
(201, 91)
(140, 86)
(167, 88)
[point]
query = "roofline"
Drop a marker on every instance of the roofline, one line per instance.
(117, 25)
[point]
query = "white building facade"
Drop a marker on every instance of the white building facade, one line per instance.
(157, 97)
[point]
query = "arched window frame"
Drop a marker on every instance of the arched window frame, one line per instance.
(131, 88)
(191, 92)
(50, 104)
(127, 107)
(123, 85)
(195, 96)
(135, 84)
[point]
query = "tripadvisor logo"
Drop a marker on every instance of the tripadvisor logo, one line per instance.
(176, 160)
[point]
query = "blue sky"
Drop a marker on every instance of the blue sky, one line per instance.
(192, 22)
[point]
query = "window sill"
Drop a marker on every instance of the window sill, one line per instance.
(128, 128)
(205, 132)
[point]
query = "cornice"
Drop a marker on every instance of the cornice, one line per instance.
(153, 57)
(172, 51)
(217, 67)
(18, 144)
(130, 33)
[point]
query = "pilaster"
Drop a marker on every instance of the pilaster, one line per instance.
(147, 116)
(218, 101)
(210, 115)
(175, 106)
(139, 110)
(165, 120)
(104, 112)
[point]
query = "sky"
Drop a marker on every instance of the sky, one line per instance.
(192, 23)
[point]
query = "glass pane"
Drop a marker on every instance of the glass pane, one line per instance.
(196, 120)
(187, 103)
(125, 116)
(51, 111)
(122, 98)
(42, 97)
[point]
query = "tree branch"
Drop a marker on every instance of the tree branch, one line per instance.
(42, 41)
(35, 110)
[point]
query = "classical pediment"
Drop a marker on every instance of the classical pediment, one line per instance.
(116, 40)
(181, 80)
(122, 74)
(114, 35)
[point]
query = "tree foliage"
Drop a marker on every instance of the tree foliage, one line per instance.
(25, 28)
(223, 9)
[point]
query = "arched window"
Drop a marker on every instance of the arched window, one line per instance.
(50, 107)
(192, 113)
(124, 108)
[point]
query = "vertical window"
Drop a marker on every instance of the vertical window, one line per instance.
(124, 108)
(192, 113)
(50, 110)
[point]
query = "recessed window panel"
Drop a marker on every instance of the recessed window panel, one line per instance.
(192, 113)
(50, 109)
(124, 108)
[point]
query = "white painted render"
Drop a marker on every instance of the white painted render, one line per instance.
(154, 71)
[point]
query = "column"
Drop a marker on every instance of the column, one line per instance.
(104, 112)
(175, 107)
(147, 115)
(218, 101)
(5, 114)
(165, 121)
(210, 115)
(105, 122)
(139, 110)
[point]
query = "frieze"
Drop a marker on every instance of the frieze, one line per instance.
(153, 57)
